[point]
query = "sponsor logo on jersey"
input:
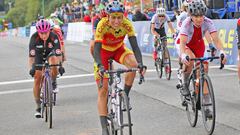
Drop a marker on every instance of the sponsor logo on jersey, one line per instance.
(55, 41)
(32, 52)
(58, 51)
(39, 46)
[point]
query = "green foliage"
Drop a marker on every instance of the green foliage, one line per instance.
(18, 13)
(26, 11)
(32, 10)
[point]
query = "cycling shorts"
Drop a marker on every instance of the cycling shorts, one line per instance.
(117, 55)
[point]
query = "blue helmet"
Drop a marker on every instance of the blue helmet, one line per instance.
(115, 6)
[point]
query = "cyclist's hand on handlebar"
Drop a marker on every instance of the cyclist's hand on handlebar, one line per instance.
(32, 71)
(61, 70)
(142, 69)
(101, 70)
(223, 58)
(185, 59)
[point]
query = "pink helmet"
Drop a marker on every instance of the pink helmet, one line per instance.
(43, 26)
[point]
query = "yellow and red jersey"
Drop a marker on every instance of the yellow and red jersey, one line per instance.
(112, 38)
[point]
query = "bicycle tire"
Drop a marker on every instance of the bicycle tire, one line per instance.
(167, 65)
(210, 105)
(45, 100)
(54, 98)
(191, 100)
(111, 128)
(158, 65)
(50, 101)
(125, 114)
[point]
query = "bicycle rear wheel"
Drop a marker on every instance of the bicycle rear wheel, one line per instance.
(167, 64)
(191, 102)
(125, 116)
(208, 105)
(50, 101)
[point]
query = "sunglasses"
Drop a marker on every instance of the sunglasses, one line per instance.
(161, 16)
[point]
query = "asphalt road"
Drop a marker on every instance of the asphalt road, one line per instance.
(156, 103)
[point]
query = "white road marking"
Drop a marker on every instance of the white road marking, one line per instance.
(60, 87)
(229, 67)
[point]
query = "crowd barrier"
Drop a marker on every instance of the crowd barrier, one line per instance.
(82, 31)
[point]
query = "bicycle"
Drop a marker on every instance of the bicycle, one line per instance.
(117, 98)
(163, 59)
(201, 95)
(47, 96)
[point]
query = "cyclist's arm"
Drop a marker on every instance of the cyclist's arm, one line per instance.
(31, 58)
(217, 41)
(96, 53)
(153, 30)
(57, 48)
(183, 42)
(136, 49)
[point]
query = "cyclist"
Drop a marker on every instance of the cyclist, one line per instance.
(191, 38)
(238, 44)
(158, 29)
(110, 34)
(95, 21)
(183, 15)
(42, 43)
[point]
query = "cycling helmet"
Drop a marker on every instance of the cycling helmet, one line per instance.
(43, 26)
(115, 6)
(160, 11)
(197, 7)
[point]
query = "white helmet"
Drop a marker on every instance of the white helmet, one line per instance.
(160, 11)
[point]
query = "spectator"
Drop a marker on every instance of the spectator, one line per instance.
(145, 12)
(86, 17)
(138, 16)
(176, 14)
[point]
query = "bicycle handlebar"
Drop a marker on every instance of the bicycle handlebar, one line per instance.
(121, 71)
(208, 58)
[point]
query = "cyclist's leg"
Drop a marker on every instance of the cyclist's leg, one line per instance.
(54, 70)
(155, 45)
(103, 92)
(36, 86)
(187, 71)
(125, 56)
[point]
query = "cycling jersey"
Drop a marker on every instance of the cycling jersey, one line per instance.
(195, 35)
(40, 50)
(158, 22)
(180, 19)
(112, 38)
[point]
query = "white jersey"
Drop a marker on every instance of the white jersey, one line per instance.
(180, 19)
(159, 23)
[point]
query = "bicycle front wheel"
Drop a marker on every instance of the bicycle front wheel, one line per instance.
(191, 102)
(159, 68)
(125, 115)
(167, 63)
(208, 104)
(50, 101)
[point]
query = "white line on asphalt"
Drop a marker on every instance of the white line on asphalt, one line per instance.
(229, 67)
(60, 86)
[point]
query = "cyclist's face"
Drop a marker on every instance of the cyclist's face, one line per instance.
(44, 35)
(115, 19)
(161, 17)
(198, 20)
